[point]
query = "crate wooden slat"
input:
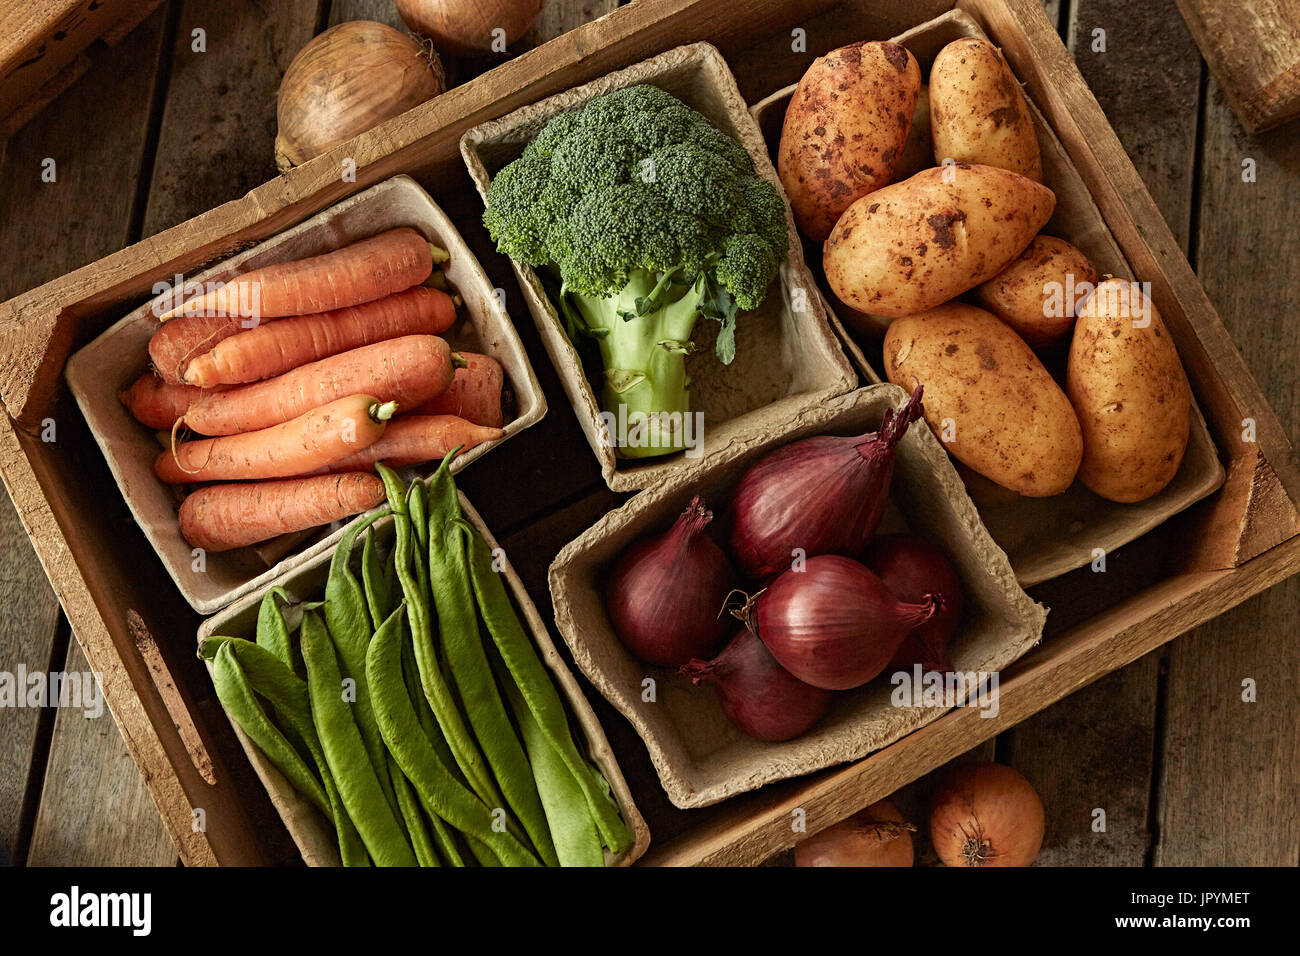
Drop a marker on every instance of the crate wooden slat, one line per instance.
(1232, 546)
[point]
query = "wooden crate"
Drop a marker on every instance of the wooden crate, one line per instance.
(116, 595)
(46, 44)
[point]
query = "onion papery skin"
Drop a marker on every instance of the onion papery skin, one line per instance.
(876, 836)
(833, 624)
(666, 593)
(986, 814)
(914, 569)
(757, 694)
(347, 80)
(821, 495)
(464, 27)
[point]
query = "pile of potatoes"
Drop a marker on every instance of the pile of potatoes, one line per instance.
(924, 194)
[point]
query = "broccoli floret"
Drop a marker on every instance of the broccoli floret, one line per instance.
(651, 217)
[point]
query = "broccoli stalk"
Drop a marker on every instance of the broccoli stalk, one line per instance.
(651, 218)
(644, 336)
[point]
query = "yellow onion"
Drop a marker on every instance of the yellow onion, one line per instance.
(464, 27)
(346, 80)
(876, 836)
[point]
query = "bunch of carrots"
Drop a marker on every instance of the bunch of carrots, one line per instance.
(344, 367)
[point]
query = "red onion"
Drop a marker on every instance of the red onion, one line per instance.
(824, 495)
(760, 696)
(833, 624)
(666, 594)
(914, 569)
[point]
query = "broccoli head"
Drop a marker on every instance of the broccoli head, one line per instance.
(650, 216)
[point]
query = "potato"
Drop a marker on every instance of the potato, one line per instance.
(845, 129)
(987, 397)
(1130, 394)
(918, 154)
(977, 111)
(916, 244)
(1037, 294)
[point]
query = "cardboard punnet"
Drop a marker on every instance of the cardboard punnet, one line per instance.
(787, 356)
(106, 366)
(311, 832)
(700, 756)
(1044, 537)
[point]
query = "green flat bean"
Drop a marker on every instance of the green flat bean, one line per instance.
(272, 633)
(237, 697)
(441, 795)
(539, 693)
(436, 690)
(273, 679)
(425, 854)
(462, 644)
(378, 587)
(345, 752)
(348, 621)
(577, 841)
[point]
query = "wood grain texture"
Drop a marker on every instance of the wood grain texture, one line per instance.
(218, 125)
(95, 809)
(1230, 791)
(29, 619)
(59, 226)
(1253, 47)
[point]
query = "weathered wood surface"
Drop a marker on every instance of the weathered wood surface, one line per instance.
(95, 810)
(1253, 47)
(1111, 728)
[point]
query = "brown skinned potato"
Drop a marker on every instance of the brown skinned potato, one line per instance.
(916, 244)
(987, 397)
(978, 112)
(1037, 294)
(918, 153)
(845, 129)
(1130, 393)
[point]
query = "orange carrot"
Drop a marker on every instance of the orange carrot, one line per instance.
(300, 446)
(176, 342)
(409, 370)
(413, 439)
(278, 347)
(156, 403)
(474, 393)
(221, 517)
(357, 273)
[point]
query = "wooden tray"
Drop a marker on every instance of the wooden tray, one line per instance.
(1220, 552)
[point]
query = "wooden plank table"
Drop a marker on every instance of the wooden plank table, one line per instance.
(1186, 771)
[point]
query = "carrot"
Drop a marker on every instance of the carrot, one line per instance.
(221, 517)
(278, 347)
(176, 342)
(413, 439)
(474, 393)
(300, 446)
(156, 403)
(357, 273)
(409, 370)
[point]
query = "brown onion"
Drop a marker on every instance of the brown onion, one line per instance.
(666, 593)
(464, 27)
(914, 569)
(832, 624)
(347, 80)
(760, 696)
(986, 814)
(821, 495)
(876, 836)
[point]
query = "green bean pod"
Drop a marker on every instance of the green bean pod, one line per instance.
(538, 691)
(462, 644)
(379, 593)
(345, 752)
(577, 841)
(237, 697)
(425, 854)
(287, 693)
(441, 795)
(436, 690)
(272, 632)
